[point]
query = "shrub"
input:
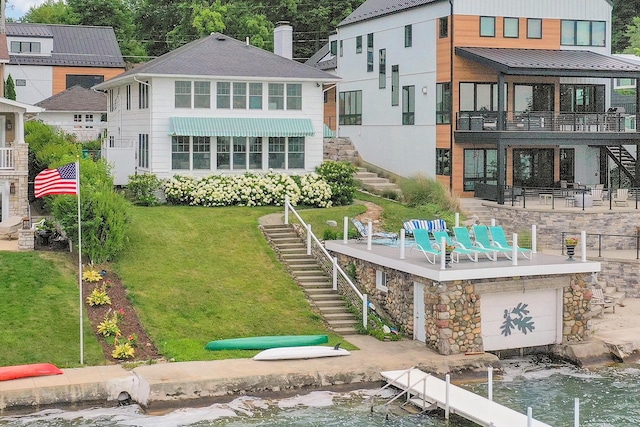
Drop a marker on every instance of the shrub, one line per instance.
(339, 176)
(419, 190)
(91, 276)
(99, 297)
(109, 326)
(142, 189)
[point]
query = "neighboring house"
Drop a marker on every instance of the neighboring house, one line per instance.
(473, 92)
(325, 60)
(14, 158)
(77, 111)
(46, 59)
(216, 105)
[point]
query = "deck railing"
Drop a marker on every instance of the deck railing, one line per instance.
(597, 242)
(6, 158)
(565, 197)
(341, 281)
(543, 121)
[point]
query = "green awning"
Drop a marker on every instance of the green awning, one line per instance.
(328, 133)
(235, 126)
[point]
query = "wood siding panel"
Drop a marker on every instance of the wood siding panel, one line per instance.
(60, 75)
(467, 34)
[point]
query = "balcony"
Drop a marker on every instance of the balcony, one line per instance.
(7, 160)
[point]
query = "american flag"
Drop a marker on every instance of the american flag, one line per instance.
(56, 181)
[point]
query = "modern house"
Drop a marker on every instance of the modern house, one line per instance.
(483, 92)
(76, 111)
(216, 105)
(46, 59)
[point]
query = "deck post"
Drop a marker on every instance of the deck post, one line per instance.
(583, 246)
(576, 420)
(514, 250)
(490, 383)
(345, 236)
(286, 210)
(402, 243)
(493, 222)
(443, 251)
(365, 313)
(447, 378)
(369, 233)
(529, 417)
(534, 238)
(457, 219)
(308, 239)
(335, 273)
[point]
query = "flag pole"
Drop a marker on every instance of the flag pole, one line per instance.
(80, 259)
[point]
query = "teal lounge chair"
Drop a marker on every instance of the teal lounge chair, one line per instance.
(425, 245)
(459, 249)
(464, 238)
(481, 233)
(500, 240)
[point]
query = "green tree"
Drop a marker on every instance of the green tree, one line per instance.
(622, 17)
(51, 12)
(10, 88)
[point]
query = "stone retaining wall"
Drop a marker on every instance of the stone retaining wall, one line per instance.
(340, 149)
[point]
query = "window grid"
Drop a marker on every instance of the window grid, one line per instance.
(143, 95)
(223, 152)
(350, 108)
(143, 150)
(369, 52)
(89, 119)
(583, 33)
(182, 94)
(128, 104)
(202, 94)
(395, 83)
(443, 161)
(408, 105)
(294, 96)
(25, 47)
(277, 147)
(239, 96)
(255, 153)
(408, 35)
(180, 152)
(295, 157)
(255, 96)
(223, 95)
(443, 103)
(276, 96)
(382, 69)
(239, 152)
(444, 27)
(359, 44)
(201, 152)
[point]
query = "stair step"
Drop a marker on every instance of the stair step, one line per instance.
(344, 316)
(332, 310)
(339, 323)
(313, 279)
(323, 297)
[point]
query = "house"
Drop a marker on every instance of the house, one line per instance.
(76, 111)
(46, 59)
(480, 93)
(216, 105)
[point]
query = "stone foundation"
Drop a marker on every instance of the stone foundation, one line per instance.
(340, 149)
(26, 239)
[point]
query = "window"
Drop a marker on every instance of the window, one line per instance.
(202, 94)
(511, 28)
(443, 161)
(223, 98)
(255, 153)
(239, 152)
(534, 28)
(487, 26)
(202, 152)
(295, 155)
(480, 97)
(582, 98)
(369, 52)
(382, 69)
(128, 91)
(143, 95)
(77, 118)
(341, 48)
(350, 107)
(223, 152)
(143, 150)
(333, 47)
(359, 44)
(408, 35)
(25, 47)
(443, 103)
(583, 33)
(395, 83)
(276, 96)
(180, 152)
(381, 281)
(294, 96)
(533, 97)
(408, 105)
(87, 81)
(567, 164)
(255, 96)
(276, 152)
(480, 165)
(21, 82)
(112, 100)
(89, 119)
(533, 167)
(182, 94)
(239, 96)
(444, 27)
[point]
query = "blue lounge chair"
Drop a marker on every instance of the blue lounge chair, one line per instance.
(499, 239)
(464, 238)
(481, 233)
(459, 249)
(424, 224)
(375, 235)
(425, 245)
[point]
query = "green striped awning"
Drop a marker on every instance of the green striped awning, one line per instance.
(328, 133)
(235, 126)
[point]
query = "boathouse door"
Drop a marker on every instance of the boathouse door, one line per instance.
(419, 331)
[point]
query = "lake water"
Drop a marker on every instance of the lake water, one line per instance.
(608, 397)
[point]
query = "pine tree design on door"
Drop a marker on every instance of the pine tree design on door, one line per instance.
(517, 318)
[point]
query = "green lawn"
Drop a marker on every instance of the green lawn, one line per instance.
(39, 319)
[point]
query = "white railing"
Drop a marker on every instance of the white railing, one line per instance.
(6, 158)
(340, 278)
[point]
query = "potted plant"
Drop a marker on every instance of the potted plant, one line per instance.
(447, 254)
(570, 243)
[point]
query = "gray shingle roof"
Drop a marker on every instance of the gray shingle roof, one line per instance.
(374, 8)
(73, 45)
(220, 55)
(582, 63)
(316, 59)
(75, 98)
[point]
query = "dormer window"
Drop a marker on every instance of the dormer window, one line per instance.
(25, 47)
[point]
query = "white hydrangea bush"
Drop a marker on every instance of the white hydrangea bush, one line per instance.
(248, 190)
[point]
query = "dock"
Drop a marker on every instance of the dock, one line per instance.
(425, 390)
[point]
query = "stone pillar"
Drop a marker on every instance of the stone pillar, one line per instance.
(26, 239)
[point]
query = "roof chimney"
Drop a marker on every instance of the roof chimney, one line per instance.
(283, 40)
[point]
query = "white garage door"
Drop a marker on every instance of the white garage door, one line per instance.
(521, 319)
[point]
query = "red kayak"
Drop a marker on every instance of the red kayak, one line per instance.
(24, 371)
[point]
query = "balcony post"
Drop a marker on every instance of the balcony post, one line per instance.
(501, 99)
(501, 172)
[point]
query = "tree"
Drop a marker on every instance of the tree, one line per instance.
(10, 89)
(623, 13)
(633, 37)
(51, 12)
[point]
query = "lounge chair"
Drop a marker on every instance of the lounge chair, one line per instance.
(362, 229)
(459, 249)
(620, 198)
(601, 302)
(596, 196)
(9, 227)
(499, 239)
(481, 233)
(424, 224)
(464, 238)
(425, 245)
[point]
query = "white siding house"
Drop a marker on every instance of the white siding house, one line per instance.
(216, 105)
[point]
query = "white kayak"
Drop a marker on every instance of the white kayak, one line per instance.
(303, 352)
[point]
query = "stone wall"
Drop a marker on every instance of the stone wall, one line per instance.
(452, 309)
(340, 149)
(26, 239)
(19, 177)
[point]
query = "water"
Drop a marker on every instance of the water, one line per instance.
(608, 397)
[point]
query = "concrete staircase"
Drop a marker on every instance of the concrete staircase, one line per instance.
(310, 276)
(373, 183)
(472, 206)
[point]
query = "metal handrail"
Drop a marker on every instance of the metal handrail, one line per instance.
(338, 272)
(599, 236)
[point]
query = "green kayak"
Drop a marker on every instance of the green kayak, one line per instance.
(263, 343)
